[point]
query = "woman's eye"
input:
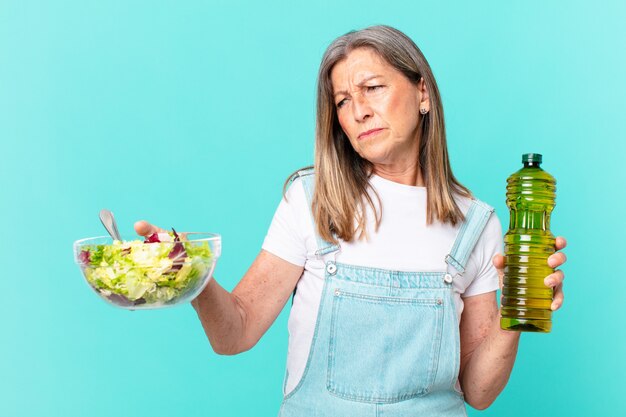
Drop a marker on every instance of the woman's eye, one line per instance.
(372, 88)
(341, 103)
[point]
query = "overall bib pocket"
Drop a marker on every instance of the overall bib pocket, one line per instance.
(383, 349)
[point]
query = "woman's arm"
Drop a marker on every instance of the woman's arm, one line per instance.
(488, 352)
(235, 322)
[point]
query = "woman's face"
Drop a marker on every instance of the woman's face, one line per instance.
(378, 109)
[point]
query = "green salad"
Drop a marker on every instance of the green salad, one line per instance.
(138, 272)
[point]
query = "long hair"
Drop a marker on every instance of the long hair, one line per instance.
(341, 174)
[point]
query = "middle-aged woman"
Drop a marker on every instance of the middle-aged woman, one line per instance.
(394, 264)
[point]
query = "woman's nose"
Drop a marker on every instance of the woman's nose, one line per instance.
(361, 108)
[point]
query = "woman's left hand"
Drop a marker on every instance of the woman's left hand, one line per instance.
(554, 280)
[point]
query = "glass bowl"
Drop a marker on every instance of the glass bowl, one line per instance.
(159, 272)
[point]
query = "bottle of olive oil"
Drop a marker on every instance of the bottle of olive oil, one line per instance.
(530, 196)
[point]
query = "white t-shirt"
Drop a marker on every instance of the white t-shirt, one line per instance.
(403, 242)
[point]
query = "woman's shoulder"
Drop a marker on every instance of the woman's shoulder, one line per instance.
(464, 202)
(300, 174)
(493, 228)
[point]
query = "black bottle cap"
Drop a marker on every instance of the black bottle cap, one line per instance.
(534, 158)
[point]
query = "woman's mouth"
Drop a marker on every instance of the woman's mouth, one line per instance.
(369, 133)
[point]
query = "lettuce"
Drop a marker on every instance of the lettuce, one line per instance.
(138, 272)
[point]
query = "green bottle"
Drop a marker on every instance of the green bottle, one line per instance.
(530, 196)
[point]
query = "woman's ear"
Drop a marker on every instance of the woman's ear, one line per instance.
(423, 97)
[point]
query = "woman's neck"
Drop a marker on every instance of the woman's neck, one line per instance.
(410, 175)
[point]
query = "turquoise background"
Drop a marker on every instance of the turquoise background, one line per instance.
(191, 114)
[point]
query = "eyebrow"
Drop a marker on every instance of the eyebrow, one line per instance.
(371, 77)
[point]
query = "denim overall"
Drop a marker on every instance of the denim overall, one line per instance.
(386, 343)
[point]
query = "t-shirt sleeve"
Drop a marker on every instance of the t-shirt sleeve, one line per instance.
(488, 245)
(285, 237)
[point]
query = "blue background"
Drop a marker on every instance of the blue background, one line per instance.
(191, 114)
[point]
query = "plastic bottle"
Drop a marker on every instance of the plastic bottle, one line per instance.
(530, 196)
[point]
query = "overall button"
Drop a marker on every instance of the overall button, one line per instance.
(447, 278)
(331, 268)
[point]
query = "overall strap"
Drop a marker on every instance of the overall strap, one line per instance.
(308, 181)
(473, 226)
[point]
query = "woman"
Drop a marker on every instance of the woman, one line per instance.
(394, 264)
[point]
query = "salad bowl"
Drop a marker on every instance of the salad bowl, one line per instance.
(164, 270)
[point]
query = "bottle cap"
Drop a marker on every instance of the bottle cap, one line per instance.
(531, 157)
